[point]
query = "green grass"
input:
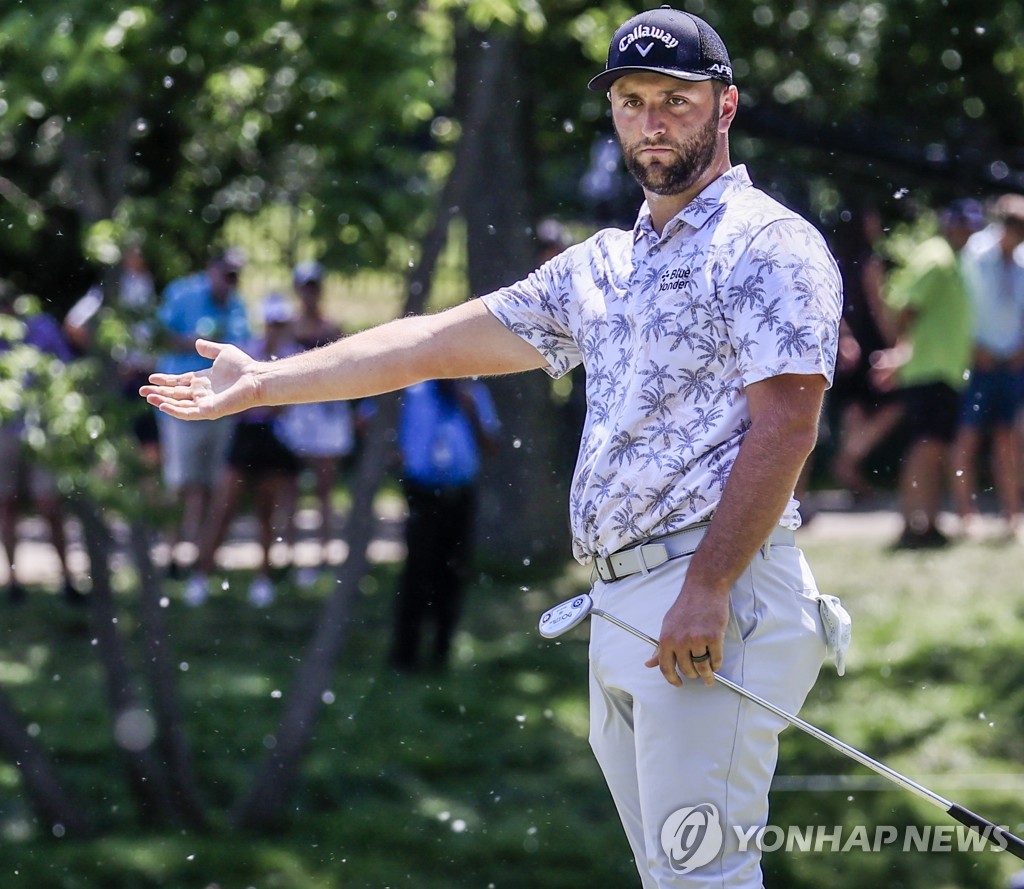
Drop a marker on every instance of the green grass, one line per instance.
(482, 776)
(935, 690)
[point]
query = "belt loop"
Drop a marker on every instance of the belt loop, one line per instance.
(766, 550)
(644, 570)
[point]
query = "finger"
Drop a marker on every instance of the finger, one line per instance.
(159, 379)
(707, 663)
(181, 411)
(667, 665)
(209, 349)
(703, 666)
(158, 401)
(689, 668)
(171, 393)
(146, 391)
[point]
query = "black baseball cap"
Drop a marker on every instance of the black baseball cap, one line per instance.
(666, 41)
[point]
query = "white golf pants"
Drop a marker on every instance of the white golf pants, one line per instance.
(665, 750)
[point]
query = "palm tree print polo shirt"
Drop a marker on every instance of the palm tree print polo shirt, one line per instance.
(670, 330)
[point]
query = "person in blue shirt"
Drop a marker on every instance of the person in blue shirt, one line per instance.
(20, 473)
(197, 306)
(444, 430)
(992, 263)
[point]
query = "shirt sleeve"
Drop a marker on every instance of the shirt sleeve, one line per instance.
(538, 310)
(169, 313)
(783, 302)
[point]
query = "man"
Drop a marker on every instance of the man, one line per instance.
(259, 464)
(21, 474)
(993, 269)
(445, 429)
(203, 305)
(928, 365)
(322, 434)
(708, 333)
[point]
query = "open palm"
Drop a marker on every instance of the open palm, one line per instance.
(229, 386)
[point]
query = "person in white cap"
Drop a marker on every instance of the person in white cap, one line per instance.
(708, 333)
(258, 462)
(321, 434)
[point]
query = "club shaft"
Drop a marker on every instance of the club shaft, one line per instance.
(1009, 841)
(799, 723)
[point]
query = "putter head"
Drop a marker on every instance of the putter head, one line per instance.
(562, 618)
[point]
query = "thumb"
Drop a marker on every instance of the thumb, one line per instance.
(209, 349)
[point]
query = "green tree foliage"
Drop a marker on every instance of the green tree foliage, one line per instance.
(165, 117)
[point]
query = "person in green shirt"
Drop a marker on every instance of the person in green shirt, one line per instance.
(928, 366)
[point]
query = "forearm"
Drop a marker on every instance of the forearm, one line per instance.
(782, 432)
(465, 341)
(375, 361)
(759, 487)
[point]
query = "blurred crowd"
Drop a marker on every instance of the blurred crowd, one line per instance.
(204, 475)
(926, 407)
(930, 373)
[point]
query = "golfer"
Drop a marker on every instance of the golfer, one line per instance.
(708, 333)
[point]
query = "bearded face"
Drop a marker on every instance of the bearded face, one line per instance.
(675, 174)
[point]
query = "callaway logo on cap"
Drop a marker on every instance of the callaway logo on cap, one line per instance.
(669, 42)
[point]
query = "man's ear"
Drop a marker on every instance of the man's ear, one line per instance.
(728, 104)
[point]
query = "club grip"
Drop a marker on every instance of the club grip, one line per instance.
(992, 832)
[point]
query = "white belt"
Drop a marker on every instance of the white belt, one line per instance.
(645, 556)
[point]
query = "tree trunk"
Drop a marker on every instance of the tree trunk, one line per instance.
(524, 491)
(43, 789)
(262, 807)
(147, 779)
(171, 739)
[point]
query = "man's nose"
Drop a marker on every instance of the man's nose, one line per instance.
(653, 122)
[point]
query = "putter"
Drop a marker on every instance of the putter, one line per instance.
(571, 613)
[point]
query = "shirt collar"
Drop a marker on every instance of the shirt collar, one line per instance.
(699, 210)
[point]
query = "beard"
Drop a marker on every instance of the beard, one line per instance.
(693, 157)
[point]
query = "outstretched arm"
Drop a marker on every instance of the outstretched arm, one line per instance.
(460, 342)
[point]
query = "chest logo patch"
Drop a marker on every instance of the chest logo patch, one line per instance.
(675, 279)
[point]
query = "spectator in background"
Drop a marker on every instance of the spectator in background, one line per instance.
(320, 433)
(993, 268)
(202, 305)
(607, 190)
(258, 462)
(136, 305)
(552, 238)
(20, 476)
(928, 364)
(445, 428)
(863, 414)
